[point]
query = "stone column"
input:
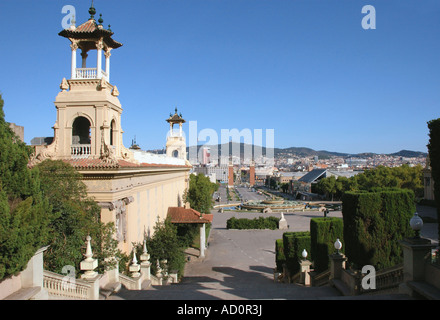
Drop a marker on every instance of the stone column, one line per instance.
(107, 55)
(89, 265)
(202, 241)
(99, 47)
(84, 56)
(74, 47)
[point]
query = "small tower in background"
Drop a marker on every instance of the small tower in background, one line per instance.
(176, 142)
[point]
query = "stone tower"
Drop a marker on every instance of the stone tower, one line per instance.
(88, 124)
(176, 142)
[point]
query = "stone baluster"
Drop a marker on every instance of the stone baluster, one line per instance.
(159, 274)
(134, 267)
(88, 265)
(145, 262)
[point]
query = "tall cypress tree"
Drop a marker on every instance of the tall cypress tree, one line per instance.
(434, 156)
(24, 211)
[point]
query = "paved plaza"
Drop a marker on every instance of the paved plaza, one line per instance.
(239, 265)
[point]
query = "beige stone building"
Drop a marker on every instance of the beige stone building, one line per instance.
(134, 188)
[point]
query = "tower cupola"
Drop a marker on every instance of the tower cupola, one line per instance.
(176, 144)
(90, 36)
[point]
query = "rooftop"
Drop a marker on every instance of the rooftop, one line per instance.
(187, 215)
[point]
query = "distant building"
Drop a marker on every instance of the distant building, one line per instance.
(18, 130)
(220, 173)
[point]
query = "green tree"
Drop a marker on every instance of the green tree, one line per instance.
(77, 215)
(24, 211)
(165, 245)
(403, 177)
(327, 186)
(199, 193)
(434, 156)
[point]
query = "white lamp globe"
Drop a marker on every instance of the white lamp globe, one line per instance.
(304, 254)
(416, 224)
(338, 245)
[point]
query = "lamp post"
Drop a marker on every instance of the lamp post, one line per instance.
(304, 254)
(338, 245)
(416, 224)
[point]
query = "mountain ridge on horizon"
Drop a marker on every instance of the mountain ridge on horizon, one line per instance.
(304, 151)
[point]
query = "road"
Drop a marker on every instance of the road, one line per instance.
(238, 266)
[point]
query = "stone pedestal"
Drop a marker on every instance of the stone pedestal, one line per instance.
(93, 279)
(305, 269)
(282, 225)
(416, 252)
(337, 264)
(32, 276)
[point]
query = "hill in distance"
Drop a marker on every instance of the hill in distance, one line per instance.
(306, 152)
(294, 151)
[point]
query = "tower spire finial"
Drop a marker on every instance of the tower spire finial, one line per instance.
(92, 11)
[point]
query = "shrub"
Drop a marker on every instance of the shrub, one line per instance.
(24, 210)
(165, 245)
(434, 156)
(256, 223)
(374, 222)
(280, 258)
(294, 243)
(323, 233)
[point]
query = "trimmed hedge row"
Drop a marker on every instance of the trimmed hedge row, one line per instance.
(294, 243)
(280, 258)
(256, 223)
(374, 222)
(323, 234)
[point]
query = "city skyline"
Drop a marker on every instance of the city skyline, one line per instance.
(306, 69)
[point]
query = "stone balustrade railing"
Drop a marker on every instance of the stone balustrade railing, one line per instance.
(80, 151)
(89, 73)
(64, 287)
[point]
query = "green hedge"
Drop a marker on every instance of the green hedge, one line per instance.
(294, 243)
(434, 156)
(256, 223)
(280, 258)
(323, 234)
(374, 222)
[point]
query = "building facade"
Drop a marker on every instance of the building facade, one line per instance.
(133, 188)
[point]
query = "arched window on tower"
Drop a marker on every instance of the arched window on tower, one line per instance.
(112, 133)
(175, 153)
(81, 141)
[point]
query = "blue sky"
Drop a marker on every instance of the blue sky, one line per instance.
(305, 68)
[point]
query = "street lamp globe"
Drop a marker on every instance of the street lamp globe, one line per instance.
(304, 254)
(416, 224)
(338, 245)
